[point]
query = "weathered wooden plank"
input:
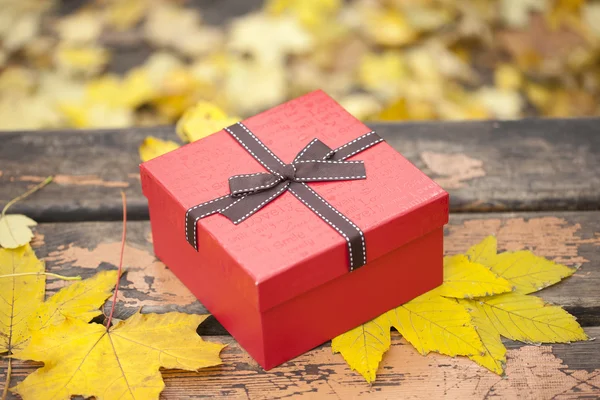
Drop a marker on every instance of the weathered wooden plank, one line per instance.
(486, 166)
(533, 372)
(83, 248)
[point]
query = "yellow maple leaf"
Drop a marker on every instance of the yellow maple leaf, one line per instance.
(202, 120)
(20, 294)
(121, 362)
(470, 324)
(22, 285)
(153, 147)
(80, 300)
(494, 352)
(483, 252)
(528, 319)
(467, 279)
(364, 346)
(527, 272)
(431, 322)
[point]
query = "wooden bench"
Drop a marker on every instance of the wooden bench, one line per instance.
(533, 183)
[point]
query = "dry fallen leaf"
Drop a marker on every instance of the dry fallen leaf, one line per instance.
(153, 147)
(311, 13)
(14, 228)
(254, 85)
(489, 302)
(202, 120)
(268, 38)
(543, 54)
(83, 27)
(515, 13)
(388, 27)
(383, 74)
(80, 60)
(124, 15)
(121, 362)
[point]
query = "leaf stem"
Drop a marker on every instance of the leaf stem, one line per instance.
(64, 278)
(27, 193)
(114, 300)
(8, 374)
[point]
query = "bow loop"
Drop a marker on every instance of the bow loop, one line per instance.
(310, 165)
(243, 185)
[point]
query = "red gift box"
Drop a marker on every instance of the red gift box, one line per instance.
(280, 281)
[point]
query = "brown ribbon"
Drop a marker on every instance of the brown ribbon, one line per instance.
(315, 163)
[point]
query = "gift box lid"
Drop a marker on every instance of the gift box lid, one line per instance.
(285, 247)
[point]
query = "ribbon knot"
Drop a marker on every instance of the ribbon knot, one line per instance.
(289, 172)
(312, 164)
(316, 162)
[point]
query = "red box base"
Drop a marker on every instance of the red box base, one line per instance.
(274, 336)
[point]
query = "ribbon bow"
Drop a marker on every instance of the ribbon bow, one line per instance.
(315, 163)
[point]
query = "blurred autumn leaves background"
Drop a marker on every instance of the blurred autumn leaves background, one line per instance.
(121, 63)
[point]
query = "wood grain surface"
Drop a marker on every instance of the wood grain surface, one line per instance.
(486, 166)
(83, 248)
(518, 181)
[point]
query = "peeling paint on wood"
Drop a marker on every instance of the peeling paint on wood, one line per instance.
(550, 237)
(79, 180)
(451, 171)
(144, 273)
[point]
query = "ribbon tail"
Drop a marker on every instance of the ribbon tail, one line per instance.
(353, 235)
(359, 144)
(315, 150)
(200, 211)
(325, 170)
(244, 207)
